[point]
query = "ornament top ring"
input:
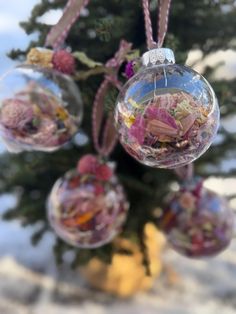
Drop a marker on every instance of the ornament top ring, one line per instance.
(167, 114)
(158, 56)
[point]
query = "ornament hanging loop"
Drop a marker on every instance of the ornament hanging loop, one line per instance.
(59, 32)
(105, 137)
(185, 172)
(148, 25)
(164, 10)
(163, 18)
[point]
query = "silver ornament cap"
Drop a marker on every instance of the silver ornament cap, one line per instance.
(158, 56)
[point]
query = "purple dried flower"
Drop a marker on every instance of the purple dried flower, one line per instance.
(129, 69)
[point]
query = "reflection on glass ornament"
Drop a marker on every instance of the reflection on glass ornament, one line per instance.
(166, 115)
(197, 222)
(40, 109)
(87, 207)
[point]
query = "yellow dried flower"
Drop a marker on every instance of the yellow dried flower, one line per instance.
(40, 58)
(134, 104)
(129, 120)
(61, 113)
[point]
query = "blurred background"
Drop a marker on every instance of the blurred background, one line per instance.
(31, 282)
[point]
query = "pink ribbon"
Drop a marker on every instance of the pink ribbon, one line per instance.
(59, 32)
(108, 132)
(164, 9)
(185, 172)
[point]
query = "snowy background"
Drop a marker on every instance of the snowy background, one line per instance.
(30, 282)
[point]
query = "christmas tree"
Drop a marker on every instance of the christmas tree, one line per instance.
(204, 25)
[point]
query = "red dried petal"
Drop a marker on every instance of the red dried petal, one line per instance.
(104, 172)
(87, 164)
(64, 62)
(99, 189)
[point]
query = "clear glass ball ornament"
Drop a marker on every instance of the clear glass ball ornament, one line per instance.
(86, 211)
(166, 115)
(40, 109)
(197, 222)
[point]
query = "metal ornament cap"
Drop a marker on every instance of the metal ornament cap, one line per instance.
(158, 56)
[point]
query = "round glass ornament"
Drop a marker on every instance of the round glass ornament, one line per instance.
(86, 210)
(197, 222)
(40, 109)
(166, 115)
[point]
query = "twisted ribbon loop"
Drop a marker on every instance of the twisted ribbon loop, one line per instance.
(109, 136)
(59, 32)
(186, 172)
(163, 17)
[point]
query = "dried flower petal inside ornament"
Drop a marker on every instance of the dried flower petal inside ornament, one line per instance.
(166, 115)
(40, 109)
(87, 207)
(197, 222)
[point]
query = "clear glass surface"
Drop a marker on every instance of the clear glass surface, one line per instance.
(166, 116)
(197, 222)
(40, 109)
(86, 212)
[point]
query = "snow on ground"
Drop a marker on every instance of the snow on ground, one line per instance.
(206, 287)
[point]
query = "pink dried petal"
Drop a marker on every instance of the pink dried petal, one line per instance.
(99, 189)
(137, 129)
(93, 205)
(161, 115)
(103, 172)
(187, 123)
(46, 134)
(157, 128)
(133, 151)
(151, 112)
(87, 164)
(167, 101)
(15, 113)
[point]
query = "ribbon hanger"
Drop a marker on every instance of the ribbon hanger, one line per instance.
(71, 14)
(163, 18)
(109, 135)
